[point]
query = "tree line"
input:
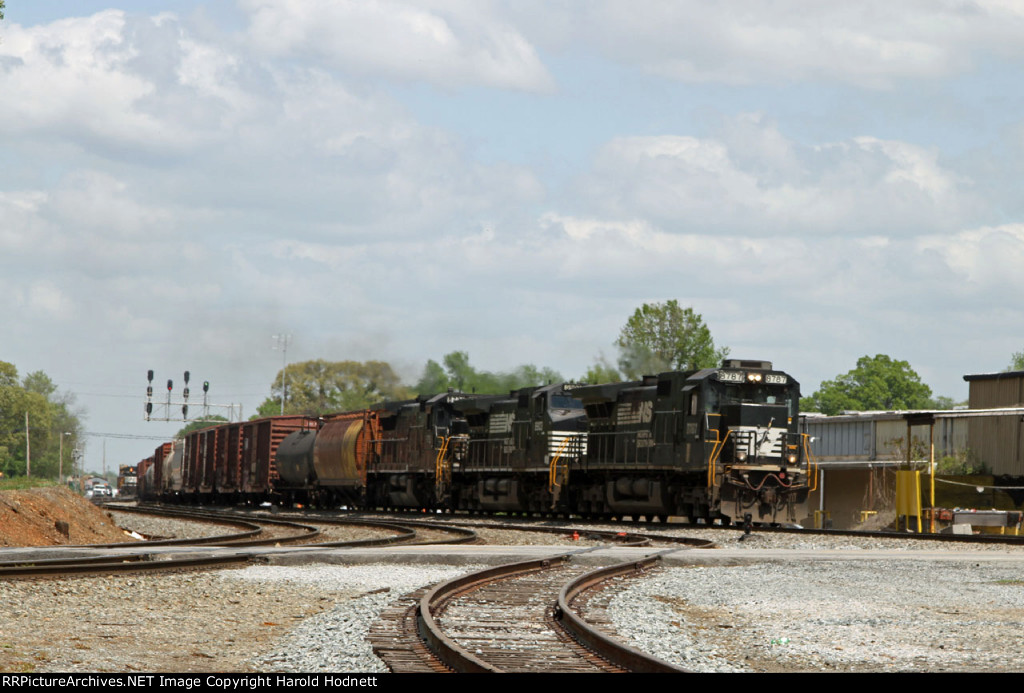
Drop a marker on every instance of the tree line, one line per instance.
(657, 337)
(54, 429)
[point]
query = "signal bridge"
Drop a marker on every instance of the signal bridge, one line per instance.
(171, 404)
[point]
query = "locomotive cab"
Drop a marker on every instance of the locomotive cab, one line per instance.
(755, 455)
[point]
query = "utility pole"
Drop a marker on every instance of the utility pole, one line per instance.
(60, 472)
(28, 450)
(281, 342)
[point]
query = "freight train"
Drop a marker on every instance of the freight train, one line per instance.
(717, 444)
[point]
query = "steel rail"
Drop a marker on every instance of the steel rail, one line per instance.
(450, 652)
(601, 643)
(110, 564)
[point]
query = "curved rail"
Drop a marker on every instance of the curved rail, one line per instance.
(246, 538)
(614, 655)
(625, 538)
(450, 652)
(598, 641)
(112, 564)
(139, 556)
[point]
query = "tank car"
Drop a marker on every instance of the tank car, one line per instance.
(328, 467)
(713, 444)
(170, 478)
(259, 443)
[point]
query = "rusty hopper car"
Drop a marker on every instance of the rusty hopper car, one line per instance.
(227, 466)
(199, 462)
(714, 444)
(519, 450)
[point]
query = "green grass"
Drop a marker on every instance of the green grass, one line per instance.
(19, 483)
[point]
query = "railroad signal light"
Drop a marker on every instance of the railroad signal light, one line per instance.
(186, 377)
(186, 393)
(184, 410)
(170, 385)
(149, 375)
(206, 386)
(149, 408)
(149, 391)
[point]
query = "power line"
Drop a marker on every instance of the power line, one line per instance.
(126, 436)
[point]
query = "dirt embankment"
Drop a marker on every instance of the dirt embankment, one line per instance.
(54, 515)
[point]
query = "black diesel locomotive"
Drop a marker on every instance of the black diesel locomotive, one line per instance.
(713, 444)
(719, 443)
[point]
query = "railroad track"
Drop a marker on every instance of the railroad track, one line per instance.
(520, 617)
(221, 550)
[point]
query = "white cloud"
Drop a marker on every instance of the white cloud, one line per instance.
(752, 180)
(74, 74)
(986, 259)
(873, 44)
(46, 298)
(449, 44)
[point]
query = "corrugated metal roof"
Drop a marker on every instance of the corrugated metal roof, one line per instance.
(994, 376)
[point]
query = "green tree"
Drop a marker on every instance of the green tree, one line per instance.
(8, 374)
(601, 372)
(943, 402)
(1016, 362)
(434, 379)
(663, 336)
(53, 426)
(323, 387)
(213, 420)
(458, 374)
(877, 383)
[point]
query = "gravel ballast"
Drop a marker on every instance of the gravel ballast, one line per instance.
(897, 610)
(887, 615)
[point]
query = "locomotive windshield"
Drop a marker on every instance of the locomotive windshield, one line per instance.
(565, 402)
(721, 394)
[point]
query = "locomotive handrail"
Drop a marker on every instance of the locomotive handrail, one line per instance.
(440, 478)
(553, 466)
(715, 452)
(809, 456)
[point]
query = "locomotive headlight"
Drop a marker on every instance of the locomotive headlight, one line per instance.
(754, 377)
(791, 458)
(741, 456)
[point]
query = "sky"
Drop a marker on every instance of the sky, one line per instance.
(386, 180)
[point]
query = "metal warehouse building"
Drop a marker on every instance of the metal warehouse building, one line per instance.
(997, 438)
(857, 451)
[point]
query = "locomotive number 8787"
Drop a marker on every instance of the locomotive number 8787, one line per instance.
(713, 444)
